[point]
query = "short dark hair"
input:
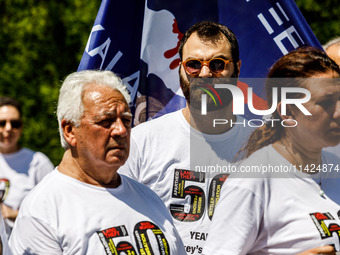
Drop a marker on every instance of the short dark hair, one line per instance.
(10, 101)
(210, 30)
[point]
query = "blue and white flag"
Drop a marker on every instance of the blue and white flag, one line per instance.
(139, 41)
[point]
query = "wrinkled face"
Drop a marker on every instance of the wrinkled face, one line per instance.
(195, 48)
(103, 137)
(322, 129)
(10, 128)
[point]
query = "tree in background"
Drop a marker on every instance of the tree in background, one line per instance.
(322, 16)
(40, 43)
(43, 41)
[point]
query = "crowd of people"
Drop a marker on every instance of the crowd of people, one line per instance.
(112, 194)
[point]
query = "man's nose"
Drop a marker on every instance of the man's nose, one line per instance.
(119, 129)
(205, 71)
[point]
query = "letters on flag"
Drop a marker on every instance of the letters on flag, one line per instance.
(139, 41)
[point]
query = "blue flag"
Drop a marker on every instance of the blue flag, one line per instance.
(139, 41)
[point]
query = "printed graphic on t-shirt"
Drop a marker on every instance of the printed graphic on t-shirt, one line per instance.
(326, 228)
(110, 239)
(4, 188)
(196, 208)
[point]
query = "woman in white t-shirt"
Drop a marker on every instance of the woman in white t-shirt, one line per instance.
(20, 168)
(285, 208)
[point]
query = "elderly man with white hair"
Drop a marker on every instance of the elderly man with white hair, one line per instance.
(84, 206)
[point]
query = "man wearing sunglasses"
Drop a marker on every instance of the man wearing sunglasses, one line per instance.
(180, 155)
(20, 168)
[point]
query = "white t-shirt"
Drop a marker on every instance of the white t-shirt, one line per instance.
(62, 215)
(330, 180)
(335, 150)
(272, 215)
(185, 168)
(4, 247)
(24, 169)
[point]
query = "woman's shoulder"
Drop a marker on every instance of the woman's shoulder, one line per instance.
(330, 158)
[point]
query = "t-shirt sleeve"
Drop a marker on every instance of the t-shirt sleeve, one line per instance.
(131, 168)
(42, 165)
(236, 221)
(32, 236)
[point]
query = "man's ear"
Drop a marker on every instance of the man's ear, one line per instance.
(239, 67)
(68, 131)
(288, 118)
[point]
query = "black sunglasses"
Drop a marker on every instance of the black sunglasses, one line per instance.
(14, 123)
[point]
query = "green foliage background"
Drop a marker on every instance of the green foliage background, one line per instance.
(40, 43)
(43, 41)
(323, 16)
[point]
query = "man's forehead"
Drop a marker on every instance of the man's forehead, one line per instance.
(95, 92)
(217, 39)
(334, 52)
(104, 98)
(335, 48)
(111, 104)
(207, 45)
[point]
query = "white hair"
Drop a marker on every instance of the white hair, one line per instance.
(331, 42)
(70, 103)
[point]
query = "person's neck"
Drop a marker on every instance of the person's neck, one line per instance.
(9, 150)
(71, 167)
(205, 123)
(298, 155)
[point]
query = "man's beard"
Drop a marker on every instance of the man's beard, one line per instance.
(185, 86)
(194, 88)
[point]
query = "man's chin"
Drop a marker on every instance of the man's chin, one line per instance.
(115, 164)
(117, 157)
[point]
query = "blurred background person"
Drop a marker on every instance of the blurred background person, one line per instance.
(332, 49)
(291, 212)
(21, 167)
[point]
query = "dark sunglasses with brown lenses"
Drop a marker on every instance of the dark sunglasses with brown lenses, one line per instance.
(216, 65)
(16, 124)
